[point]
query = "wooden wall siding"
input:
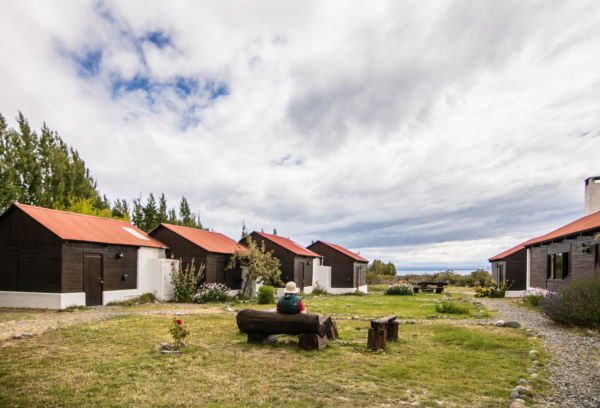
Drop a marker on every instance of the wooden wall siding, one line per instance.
(299, 263)
(361, 273)
(580, 263)
(39, 269)
(516, 270)
(181, 248)
(330, 255)
(113, 268)
(8, 268)
(19, 230)
(342, 275)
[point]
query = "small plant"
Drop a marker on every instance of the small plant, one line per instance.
(400, 288)
(318, 290)
(211, 292)
(74, 308)
(448, 307)
(139, 300)
(534, 295)
(266, 295)
(179, 332)
(576, 303)
(185, 280)
(492, 291)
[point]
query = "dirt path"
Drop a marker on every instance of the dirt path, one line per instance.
(34, 321)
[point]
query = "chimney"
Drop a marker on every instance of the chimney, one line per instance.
(592, 195)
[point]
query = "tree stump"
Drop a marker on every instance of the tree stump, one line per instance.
(331, 329)
(312, 341)
(392, 330)
(376, 340)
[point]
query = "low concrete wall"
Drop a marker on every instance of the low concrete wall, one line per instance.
(109, 296)
(341, 291)
(41, 300)
(158, 274)
(513, 293)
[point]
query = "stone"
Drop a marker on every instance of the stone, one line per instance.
(535, 363)
(171, 352)
(16, 336)
(533, 354)
(516, 404)
(513, 395)
(500, 323)
(532, 370)
(523, 381)
(228, 308)
(51, 328)
(27, 334)
(157, 348)
(412, 322)
(523, 391)
(534, 375)
(178, 314)
(481, 323)
(355, 317)
(514, 324)
(432, 316)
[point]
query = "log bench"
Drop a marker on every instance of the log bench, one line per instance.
(314, 331)
(382, 330)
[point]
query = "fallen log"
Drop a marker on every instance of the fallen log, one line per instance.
(258, 321)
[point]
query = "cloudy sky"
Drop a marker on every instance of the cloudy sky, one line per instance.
(430, 134)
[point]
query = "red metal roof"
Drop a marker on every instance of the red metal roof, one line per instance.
(288, 244)
(511, 251)
(344, 251)
(210, 241)
(589, 222)
(79, 227)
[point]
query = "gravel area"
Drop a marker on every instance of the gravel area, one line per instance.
(574, 369)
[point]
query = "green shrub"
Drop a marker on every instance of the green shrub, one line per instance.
(400, 288)
(492, 291)
(445, 306)
(266, 295)
(211, 292)
(186, 280)
(576, 303)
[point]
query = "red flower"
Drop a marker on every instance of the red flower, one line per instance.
(178, 321)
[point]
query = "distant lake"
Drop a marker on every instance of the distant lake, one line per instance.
(433, 271)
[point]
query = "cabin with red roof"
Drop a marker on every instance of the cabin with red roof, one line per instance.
(297, 262)
(557, 258)
(54, 259)
(211, 249)
(348, 269)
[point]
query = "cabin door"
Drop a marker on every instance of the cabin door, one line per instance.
(93, 280)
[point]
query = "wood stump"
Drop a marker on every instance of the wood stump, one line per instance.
(331, 329)
(392, 330)
(376, 340)
(312, 341)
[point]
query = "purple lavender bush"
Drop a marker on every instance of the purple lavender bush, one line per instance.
(577, 303)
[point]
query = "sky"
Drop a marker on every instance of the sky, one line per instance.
(428, 134)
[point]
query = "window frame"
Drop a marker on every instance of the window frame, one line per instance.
(562, 267)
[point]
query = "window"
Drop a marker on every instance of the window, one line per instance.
(558, 266)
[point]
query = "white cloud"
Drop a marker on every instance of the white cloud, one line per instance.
(416, 133)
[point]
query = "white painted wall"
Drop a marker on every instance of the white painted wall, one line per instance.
(528, 270)
(159, 274)
(341, 291)
(41, 300)
(109, 296)
(322, 276)
(146, 268)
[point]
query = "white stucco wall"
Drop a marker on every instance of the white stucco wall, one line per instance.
(322, 276)
(109, 296)
(146, 268)
(41, 300)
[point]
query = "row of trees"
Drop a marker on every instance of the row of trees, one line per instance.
(379, 268)
(41, 169)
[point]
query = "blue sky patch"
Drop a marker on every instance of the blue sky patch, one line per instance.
(88, 62)
(158, 38)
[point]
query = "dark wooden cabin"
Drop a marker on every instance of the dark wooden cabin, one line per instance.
(211, 249)
(50, 251)
(348, 270)
(566, 254)
(296, 261)
(511, 266)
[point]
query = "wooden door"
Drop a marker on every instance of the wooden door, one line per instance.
(220, 278)
(93, 279)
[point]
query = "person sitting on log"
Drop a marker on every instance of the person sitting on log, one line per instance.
(290, 303)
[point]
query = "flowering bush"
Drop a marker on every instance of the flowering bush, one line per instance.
(179, 333)
(493, 291)
(400, 288)
(185, 280)
(211, 292)
(575, 303)
(534, 295)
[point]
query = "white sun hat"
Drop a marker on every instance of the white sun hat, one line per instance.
(290, 287)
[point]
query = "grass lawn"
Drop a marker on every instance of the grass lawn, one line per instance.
(111, 363)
